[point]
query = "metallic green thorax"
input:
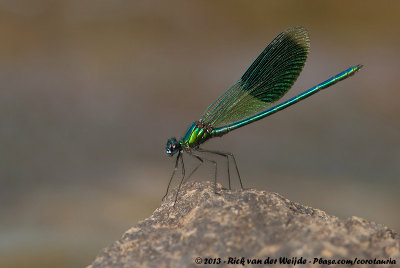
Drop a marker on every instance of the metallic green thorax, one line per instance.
(196, 134)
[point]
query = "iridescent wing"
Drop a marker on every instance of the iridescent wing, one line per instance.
(270, 76)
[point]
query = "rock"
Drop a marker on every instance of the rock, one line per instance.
(256, 225)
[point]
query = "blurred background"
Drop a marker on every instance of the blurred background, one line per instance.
(92, 90)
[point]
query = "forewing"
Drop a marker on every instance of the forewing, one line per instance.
(270, 76)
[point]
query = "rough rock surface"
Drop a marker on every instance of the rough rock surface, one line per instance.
(251, 224)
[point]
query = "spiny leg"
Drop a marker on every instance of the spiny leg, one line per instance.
(194, 170)
(226, 154)
(227, 161)
(237, 169)
(180, 183)
(172, 176)
(215, 168)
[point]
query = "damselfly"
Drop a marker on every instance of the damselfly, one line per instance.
(250, 99)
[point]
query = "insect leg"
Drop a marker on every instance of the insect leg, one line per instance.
(172, 176)
(194, 170)
(183, 177)
(226, 154)
(215, 168)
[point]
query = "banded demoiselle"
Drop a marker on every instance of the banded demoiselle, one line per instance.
(267, 79)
